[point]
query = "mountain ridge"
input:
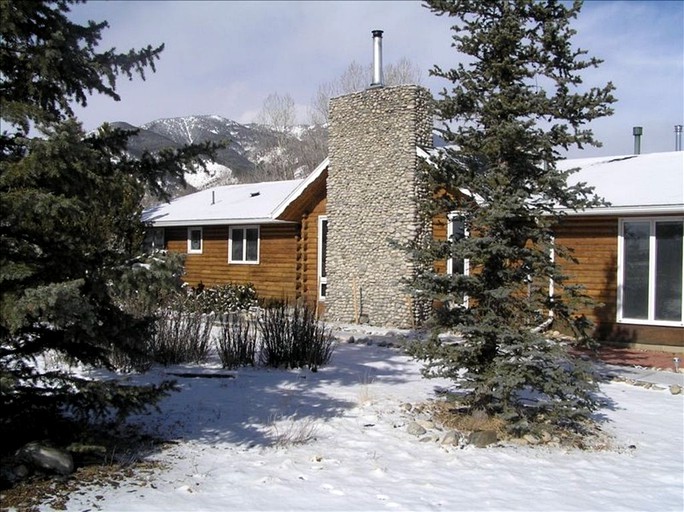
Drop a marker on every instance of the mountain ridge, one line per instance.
(254, 152)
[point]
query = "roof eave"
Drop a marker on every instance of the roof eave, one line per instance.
(214, 222)
(668, 209)
(292, 196)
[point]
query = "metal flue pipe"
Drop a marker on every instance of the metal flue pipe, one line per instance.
(378, 80)
(637, 131)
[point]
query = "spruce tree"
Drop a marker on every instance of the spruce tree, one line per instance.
(512, 106)
(70, 232)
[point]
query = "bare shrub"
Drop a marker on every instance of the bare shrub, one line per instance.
(290, 431)
(182, 335)
(292, 337)
(236, 343)
(139, 360)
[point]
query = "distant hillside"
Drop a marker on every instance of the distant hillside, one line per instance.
(254, 152)
(244, 141)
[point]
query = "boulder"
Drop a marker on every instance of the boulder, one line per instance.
(426, 424)
(47, 458)
(415, 429)
(531, 439)
(482, 438)
(452, 438)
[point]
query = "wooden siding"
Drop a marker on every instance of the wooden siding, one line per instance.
(308, 201)
(306, 210)
(594, 244)
(274, 277)
(439, 232)
(308, 257)
(594, 241)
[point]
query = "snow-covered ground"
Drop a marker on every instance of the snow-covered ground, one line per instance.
(235, 447)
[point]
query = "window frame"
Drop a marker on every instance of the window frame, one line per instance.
(244, 260)
(201, 240)
(321, 280)
(651, 320)
(455, 215)
(155, 239)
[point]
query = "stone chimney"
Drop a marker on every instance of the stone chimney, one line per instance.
(372, 201)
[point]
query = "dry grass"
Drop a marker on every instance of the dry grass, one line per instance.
(451, 417)
(366, 395)
(290, 431)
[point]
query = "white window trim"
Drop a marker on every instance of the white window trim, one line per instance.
(190, 249)
(244, 261)
(321, 280)
(651, 273)
(450, 261)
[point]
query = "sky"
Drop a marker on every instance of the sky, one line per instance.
(226, 57)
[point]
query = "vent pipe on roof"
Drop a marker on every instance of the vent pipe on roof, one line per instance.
(213, 197)
(377, 59)
(637, 131)
(678, 137)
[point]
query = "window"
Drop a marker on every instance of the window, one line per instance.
(322, 249)
(154, 239)
(650, 277)
(456, 230)
(194, 240)
(243, 245)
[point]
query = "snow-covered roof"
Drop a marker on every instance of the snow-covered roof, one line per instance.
(633, 184)
(298, 191)
(641, 184)
(251, 203)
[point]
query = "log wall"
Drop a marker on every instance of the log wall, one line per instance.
(595, 244)
(274, 277)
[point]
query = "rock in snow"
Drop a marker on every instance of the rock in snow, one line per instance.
(47, 458)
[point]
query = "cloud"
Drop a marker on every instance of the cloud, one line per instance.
(226, 57)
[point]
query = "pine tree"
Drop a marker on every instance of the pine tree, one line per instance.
(70, 230)
(512, 106)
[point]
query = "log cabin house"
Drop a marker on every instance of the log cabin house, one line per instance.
(327, 239)
(275, 236)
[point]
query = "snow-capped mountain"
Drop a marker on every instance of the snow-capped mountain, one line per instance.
(244, 141)
(253, 151)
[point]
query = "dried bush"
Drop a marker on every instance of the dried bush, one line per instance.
(292, 337)
(182, 335)
(291, 431)
(236, 343)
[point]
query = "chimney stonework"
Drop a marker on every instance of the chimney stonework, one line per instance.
(372, 200)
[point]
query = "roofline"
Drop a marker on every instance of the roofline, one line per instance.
(422, 153)
(666, 209)
(297, 192)
(216, 222)
(658, 209)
